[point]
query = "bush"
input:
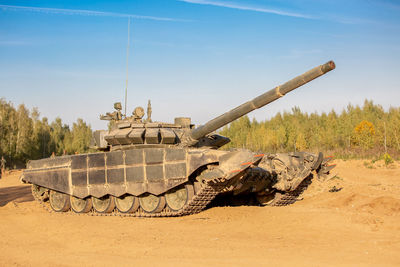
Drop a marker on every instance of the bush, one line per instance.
(387, 158)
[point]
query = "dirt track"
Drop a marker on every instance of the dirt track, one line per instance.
(356, 226)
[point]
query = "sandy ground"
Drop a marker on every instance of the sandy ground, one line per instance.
(356, 226)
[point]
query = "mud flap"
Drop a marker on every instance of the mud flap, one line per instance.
(231, 171)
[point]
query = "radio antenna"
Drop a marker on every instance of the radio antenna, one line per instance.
(127, 62)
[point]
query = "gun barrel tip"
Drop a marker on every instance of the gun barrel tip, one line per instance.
(332, 64)
(328, 66)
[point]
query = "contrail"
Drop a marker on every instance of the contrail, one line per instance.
(249, 8)
(83, 12)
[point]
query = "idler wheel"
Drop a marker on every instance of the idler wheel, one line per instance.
(151, 203)
(39, 192)
(178, 197)
(127, 203)
(58, 201)
(105, 204)
(268, 199)
(80, 205)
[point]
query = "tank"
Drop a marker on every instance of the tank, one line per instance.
(156, 169)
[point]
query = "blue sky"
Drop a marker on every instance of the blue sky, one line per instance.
(196, 58)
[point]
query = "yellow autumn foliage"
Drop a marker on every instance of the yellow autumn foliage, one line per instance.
(364, 133)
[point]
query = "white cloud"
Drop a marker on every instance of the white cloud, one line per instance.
(82, 12)
(327, 17)
(249, 8)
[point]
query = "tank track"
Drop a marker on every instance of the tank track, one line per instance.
(287, 198)
(198, 203)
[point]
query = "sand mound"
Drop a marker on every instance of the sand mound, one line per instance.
(382, 205)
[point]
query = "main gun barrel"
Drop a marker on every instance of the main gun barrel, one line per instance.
(261, 100)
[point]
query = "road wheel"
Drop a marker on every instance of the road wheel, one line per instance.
(105, 204)
(59, 202)
(80, 205)
(177, 198)
(151, 203)
(127, 203)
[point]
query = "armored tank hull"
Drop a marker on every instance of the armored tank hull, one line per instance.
(168, 181)
(149, 169)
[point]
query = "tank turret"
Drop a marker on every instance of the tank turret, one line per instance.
(135, 132)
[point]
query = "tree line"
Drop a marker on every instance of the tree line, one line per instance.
(366, 131)
(358, 132)
(25, 136)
